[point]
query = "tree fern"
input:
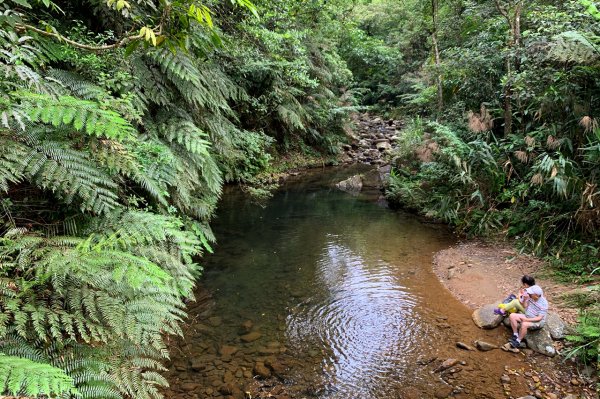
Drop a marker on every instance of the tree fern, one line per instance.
(23, 376)
(68, 173)
(82, 115)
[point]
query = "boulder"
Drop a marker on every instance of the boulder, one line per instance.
(540, 341)
(371, 179)
(555, 325)
(486, 318)
(352, 185)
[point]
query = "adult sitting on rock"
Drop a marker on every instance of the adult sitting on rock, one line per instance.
(536, 309)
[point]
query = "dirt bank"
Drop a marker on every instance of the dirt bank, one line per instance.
(479, 273)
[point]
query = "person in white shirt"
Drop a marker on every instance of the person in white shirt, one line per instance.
(534, 318)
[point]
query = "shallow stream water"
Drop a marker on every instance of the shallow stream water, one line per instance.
(335, 294)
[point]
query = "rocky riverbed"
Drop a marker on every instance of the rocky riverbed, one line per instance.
(373, 140)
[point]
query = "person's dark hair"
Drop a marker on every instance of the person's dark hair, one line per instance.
(528, 280)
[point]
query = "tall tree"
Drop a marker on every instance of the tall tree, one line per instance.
(511, 11)
(436, 53)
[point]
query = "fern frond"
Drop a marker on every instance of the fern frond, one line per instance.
(78, 85)
(83, 115)
(68, 173)
(20, 375)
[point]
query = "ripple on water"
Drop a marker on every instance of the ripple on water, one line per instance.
(361, 318)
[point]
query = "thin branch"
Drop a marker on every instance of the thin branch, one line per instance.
(502, 11)
(95, 49)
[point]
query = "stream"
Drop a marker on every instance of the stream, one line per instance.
(322, 294)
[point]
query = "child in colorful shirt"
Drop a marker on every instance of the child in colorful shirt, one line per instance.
(517, 304)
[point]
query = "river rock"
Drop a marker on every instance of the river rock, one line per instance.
(261, 370)
(486, 318)
(352, 185)
(527, 397)
(227, 350)
(383, 145)
(540, 341)
(443, 393)
(464, 346)
(251, 337)
(446, 364)
(556, 326)
(190, 386)
(247, 326)
(485, 346)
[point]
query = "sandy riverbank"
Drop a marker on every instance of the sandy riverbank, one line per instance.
(479, 273)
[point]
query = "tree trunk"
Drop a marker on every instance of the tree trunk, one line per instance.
(436, 52)
(513, 63)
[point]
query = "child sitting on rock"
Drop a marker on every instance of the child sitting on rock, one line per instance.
(516, 304)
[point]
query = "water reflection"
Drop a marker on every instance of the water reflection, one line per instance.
(362, 318)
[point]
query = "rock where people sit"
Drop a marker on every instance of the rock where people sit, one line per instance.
(486, 318)
(556, 326)
(351, 185)
(540, 341)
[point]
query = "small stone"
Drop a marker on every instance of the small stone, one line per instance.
(247, 326)
(227, 350)
(505, 379)
(464, 346)
(485, 346)
(190, 386)
(446, 364)
(551, 395)
(575, 381)
(251, 337)
(227, 377)
(261, 370)
(443, 393)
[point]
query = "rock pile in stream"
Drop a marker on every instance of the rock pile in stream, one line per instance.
(372, 141)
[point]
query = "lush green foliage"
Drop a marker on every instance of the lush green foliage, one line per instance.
(515, 147)
(120, 123)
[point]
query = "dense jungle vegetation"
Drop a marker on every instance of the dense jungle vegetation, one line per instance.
(122, 120)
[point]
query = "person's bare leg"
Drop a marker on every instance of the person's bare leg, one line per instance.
(514, 322)
(523, 331)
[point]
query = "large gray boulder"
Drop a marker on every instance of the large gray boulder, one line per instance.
(486, 318)
(554, 324)
(540, 341)
(352, 185)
